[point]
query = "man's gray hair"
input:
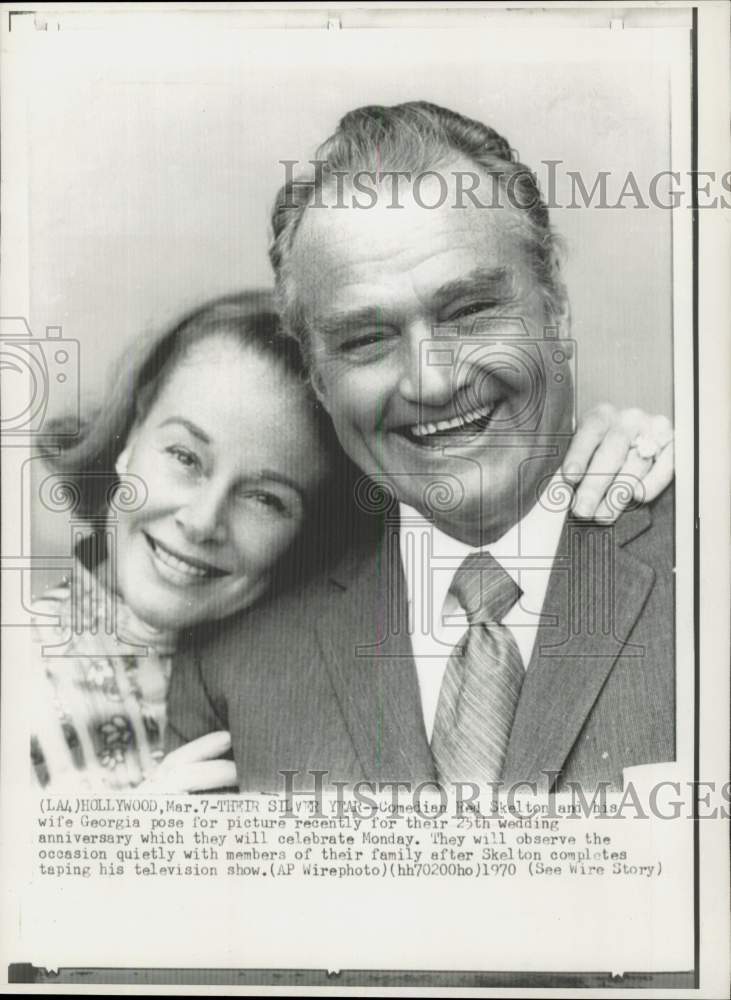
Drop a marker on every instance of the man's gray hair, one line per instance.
(415, 137)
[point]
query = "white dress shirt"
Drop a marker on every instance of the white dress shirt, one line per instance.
(430, 559)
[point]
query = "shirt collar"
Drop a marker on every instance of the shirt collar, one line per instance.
(531, 542)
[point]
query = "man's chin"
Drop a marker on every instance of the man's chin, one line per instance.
(475, 530)
(400, 458)
(464, 502)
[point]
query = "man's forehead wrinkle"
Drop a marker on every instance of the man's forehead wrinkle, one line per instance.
(344, 259)
(378, 231)
(499, 280)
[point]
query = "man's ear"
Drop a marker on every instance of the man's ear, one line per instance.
(567, 347)
(560, 326)
(563, 322)
(318, 387)
(122, 462)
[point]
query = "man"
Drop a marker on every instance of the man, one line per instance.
(484, 635)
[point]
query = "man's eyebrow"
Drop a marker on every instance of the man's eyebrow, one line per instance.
(189, 426)
(494, 283)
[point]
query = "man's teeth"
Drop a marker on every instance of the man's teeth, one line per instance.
(463, 420)
(174, 563)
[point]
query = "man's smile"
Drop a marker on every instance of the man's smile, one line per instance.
(474, 421)
(462, 428)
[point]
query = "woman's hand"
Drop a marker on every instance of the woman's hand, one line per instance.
(612, 447)
(193, 768)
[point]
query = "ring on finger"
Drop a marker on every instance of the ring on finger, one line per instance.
(646, 447)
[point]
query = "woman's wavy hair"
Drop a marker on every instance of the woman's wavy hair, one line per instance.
(249, 319)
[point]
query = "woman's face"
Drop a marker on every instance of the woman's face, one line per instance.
(230, 457)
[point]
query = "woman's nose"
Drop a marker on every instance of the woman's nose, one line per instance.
(202, 519)
(427, 372)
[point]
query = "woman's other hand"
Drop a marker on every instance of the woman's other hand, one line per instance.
(618, 448)
(194, 768)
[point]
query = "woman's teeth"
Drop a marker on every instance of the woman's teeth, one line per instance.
(180, 565)
(455, 423)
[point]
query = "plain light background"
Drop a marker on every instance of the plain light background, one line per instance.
(152, 168)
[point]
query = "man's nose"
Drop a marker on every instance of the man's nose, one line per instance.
(427, 374)
(203, 518)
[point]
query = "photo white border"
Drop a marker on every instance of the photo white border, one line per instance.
(713, 358)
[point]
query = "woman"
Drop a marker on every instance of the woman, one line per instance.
(215, 424)
(237, 470)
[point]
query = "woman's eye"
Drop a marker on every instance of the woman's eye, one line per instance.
(269, 501)
(188, 459)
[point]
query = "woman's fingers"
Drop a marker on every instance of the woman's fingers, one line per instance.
(659, 476)
(661, 430)
(606, 462)
(627, 456)
(625, 488)
(204, 748)
(589, 434)
(194, 767)
(196, 776)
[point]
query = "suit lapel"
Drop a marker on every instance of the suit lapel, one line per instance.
(595, 594)
(367, 651)
(596, 591)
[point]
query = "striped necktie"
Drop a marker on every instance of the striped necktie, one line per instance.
(482, 682)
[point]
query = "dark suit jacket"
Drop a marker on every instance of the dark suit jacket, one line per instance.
(323, 678)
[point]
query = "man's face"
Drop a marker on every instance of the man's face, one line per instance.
(413, 314)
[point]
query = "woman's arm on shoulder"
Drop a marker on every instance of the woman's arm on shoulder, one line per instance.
(617, 458)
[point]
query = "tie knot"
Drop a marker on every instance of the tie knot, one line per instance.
(484, 589)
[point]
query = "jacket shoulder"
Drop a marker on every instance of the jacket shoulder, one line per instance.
(282, 617)
(656, 545)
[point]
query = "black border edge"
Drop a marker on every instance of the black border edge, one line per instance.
(350, 978)
(696, 500)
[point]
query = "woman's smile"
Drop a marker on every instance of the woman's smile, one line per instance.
(179, 569)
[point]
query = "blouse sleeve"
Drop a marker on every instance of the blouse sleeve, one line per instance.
(83, 732)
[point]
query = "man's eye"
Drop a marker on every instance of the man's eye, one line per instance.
(368, 343)
(365, 340)
(188, 459)
(473, 309)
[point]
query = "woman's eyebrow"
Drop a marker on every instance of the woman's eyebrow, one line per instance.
(189, 426)
(277, 477)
